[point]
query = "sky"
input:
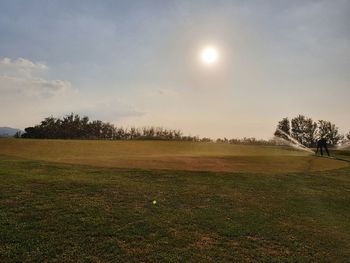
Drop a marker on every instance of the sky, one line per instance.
(136, 63)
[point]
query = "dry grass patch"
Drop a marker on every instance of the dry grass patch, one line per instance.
(167, 155)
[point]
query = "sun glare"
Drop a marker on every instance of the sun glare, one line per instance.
(209, 55)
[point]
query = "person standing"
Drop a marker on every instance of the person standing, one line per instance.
(322, 143)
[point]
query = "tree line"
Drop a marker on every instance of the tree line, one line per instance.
(247, 141)
(73, 126)
(308, 132)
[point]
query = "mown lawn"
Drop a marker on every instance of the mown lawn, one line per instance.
(72, 213)
(170, 155)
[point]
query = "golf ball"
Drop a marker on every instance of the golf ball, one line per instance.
(154, 202)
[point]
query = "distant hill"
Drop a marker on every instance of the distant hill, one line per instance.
(8, 132)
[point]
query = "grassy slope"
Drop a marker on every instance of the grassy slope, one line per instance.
(168, 155)
(78, 213)
(342, 154)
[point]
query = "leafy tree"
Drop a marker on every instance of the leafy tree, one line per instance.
(329, 131)
(205, 139)
(347, 136)
(304, 130)
(72, 126)
(284, 126)
(307, 132)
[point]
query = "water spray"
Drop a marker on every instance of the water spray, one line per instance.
(295, 143)
(343, 146)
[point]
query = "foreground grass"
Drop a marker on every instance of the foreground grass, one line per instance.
(69, 213)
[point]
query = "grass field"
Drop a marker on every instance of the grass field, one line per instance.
(189, 156)
(91, 201)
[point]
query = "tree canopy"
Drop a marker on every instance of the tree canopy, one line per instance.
(308, 132)
(73, 126)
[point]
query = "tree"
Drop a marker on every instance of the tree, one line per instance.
(72, 126)
(347, 136)
(31, 132)
(18, 134)
(283, 128)
(304, 130)
(329, 131)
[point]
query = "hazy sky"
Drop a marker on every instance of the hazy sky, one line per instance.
(137, 63)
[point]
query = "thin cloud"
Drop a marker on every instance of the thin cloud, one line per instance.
(25, 89)
(22, 77)
(168, 92)
(32, 87)
(23, 63)
(21, 67)
(108, 110)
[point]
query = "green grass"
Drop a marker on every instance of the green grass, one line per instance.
(342, 154)
(79, 213)
(171, 155)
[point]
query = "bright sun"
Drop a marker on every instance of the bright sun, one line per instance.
(209, 55)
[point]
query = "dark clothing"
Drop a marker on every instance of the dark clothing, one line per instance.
(322, 143)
